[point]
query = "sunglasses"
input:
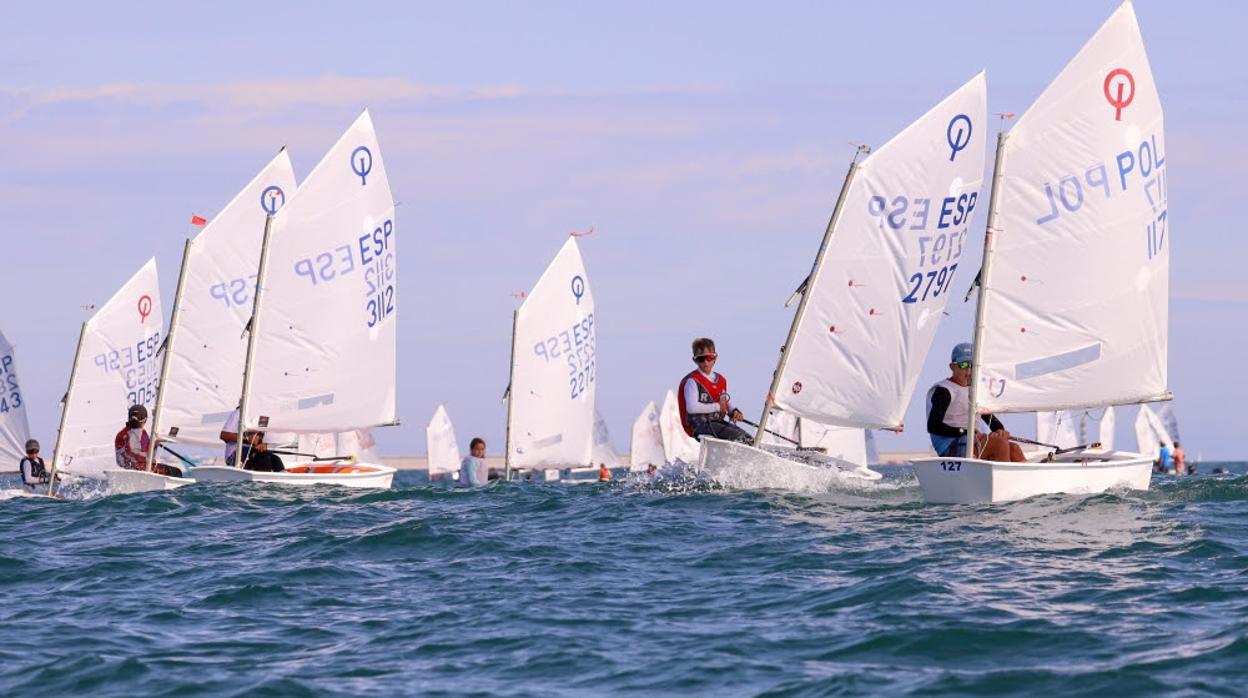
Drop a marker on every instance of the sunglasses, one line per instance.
(962, 364)
(705, 357)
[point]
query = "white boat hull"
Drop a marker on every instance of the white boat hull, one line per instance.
(742, 466)
(974, 481)
(121, 481)
(363, 475)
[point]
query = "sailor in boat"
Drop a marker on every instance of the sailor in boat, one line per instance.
(473, 471)
(705, 407)
(947, 405)
(1165, 461)
(1180, 461)
(604, 473)
(652, 472)
(132, 444)
(33, 470)
(256, 454)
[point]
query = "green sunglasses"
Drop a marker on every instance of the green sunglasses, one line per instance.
(962, 364)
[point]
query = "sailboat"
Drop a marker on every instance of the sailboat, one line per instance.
(604, 452)
(321, 352)
(678, 446)
(876, 293)
(1074, 287)
(442, 448)
(115, 367)
(14, 429)
(1151, 434)
(551, 394)
(647, 443)
(205, 349)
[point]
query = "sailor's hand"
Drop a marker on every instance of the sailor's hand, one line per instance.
(723, 404)
(260, 445)
(736, 415)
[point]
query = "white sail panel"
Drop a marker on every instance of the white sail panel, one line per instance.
(647, 444)
(781, 429)
(894, 259)
(14, 429)
(1150, 433)
(205, 371)
(553, 375)
(1058, 428)
(357, 442)
(117, 367)
(677, 445)
(325, 343)
(604, 452)
(1165, 412)
(1075, 309)
(441, 446)
(846, 443)
(1106, 429)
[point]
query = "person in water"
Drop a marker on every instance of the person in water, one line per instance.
(473, 472)
(705, 406)
(1180, 461)
(256, 455)
(34, 471)
(948, 407)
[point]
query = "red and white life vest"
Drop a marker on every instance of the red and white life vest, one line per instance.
(709, 392)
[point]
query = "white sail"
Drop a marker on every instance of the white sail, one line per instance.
(356, 442)
(677, 445)
(205, 363)
(14, 429)
(647, 445)
(1106, 430)
(440, 444)
(553, 373)
(1060, 428)
(846, 443)
(1165, 412)
(1150, 433)
(781, 429)
(1075, 304)
(893, 260)
(325, 335)
(117, 367)
(604, 452)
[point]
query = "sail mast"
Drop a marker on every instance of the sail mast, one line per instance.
(60, 429)
(164, 362)
(511, 398)
(801, 307)
(984, 277)
(253, 325)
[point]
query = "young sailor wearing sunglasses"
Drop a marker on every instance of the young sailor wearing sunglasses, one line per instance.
(705, 406)
(947, 405)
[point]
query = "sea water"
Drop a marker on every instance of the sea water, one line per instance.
(625, 587)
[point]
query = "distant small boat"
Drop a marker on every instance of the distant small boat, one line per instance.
(647, 443)
(551, 395)
(442, 449)
(1074, 289)
(678, 446)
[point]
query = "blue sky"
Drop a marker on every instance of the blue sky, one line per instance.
(704, 142)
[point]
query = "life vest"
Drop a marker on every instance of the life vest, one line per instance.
(38, 472)
(956, 415)
(709, 392)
